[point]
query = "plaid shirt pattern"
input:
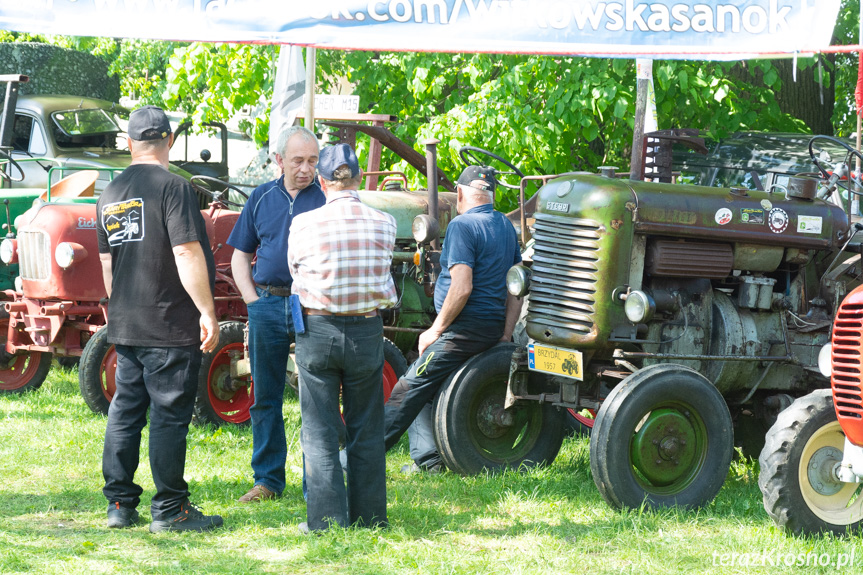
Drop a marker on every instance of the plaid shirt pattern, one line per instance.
(340, 256)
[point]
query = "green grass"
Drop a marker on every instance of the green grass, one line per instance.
(551, 520)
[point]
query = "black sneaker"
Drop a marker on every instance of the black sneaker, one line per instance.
(189, 518)
(121, 517)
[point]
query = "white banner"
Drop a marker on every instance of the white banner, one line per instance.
(724, 29)
(288, 92)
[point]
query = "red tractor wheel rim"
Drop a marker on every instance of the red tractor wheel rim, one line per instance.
(19, 370)
(236, 409)
(583, 419)
(108, 374)
(390, 380)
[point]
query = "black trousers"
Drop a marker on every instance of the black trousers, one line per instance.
(465, 338)
(163, 380)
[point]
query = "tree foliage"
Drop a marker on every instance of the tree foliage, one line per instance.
(546, 114)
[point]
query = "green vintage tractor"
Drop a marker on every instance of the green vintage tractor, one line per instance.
(676, 313)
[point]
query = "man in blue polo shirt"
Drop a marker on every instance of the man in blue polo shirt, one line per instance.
(264, 227)
(474, 311)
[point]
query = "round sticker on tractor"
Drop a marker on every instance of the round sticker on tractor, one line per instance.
(777, 220)
(723, 216)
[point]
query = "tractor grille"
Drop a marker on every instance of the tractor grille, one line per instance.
(34, 255)
(563, 278)
(846, 380)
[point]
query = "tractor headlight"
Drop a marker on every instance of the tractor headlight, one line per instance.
(825, 360)
(8, 251)
(639, 307)
(518, 280)
(424, 228)
(68, 253)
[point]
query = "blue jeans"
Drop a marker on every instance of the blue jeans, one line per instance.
(165, 380)
(271, 331)
(421, 435)
(463, 339)
(343, 355)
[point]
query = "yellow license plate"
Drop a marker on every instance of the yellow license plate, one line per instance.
(556, 360)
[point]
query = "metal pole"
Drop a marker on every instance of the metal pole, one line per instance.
(431, 178)
(310, 89)
(636, 163)
(859, 119)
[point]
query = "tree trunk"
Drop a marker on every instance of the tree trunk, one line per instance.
(801, 99)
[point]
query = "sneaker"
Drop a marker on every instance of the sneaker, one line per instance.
(257, 493)
(411, 468)
(121, 517)
(189, 518)
(304, 529)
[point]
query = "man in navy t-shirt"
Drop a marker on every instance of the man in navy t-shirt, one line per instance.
(474, 310)
(264, 227)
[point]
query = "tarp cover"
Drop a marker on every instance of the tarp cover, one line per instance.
(724, 29)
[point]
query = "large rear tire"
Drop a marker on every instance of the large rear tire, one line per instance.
(97, 372)
(801, 492)
(22, 372)
(473, 432)
(663, 437)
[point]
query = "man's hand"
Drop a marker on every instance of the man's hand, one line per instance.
(241, 268)
(209, 333)
(427, 338)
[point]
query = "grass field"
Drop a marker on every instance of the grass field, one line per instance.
(551, 520)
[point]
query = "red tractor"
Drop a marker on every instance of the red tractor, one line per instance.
(58, 306)
(812, 462)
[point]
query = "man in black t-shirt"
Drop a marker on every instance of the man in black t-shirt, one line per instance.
(159, 274)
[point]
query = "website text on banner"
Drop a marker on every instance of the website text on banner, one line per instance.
(727, 29)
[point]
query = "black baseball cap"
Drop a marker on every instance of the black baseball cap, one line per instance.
(332, 157)
(480, 177)
(148, 123)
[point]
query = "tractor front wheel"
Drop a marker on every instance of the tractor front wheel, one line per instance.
(798, 481)
(23, 371)
(663, 437)
(97, 372)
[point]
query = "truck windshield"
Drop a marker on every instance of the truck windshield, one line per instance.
(85, 127)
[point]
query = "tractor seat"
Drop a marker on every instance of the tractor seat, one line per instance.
(78, 185)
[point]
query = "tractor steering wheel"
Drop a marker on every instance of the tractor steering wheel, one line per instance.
(473, 156)
(216, 195)
(851, 183)
(8, 158)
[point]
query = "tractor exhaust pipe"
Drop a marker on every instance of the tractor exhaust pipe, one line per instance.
(432, 177)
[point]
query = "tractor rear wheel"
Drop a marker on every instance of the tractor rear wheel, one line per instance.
(801, 492)
(221, 399)
(23, 371)
(474, 432)
(97, 372)
(579, 424)
(663, 437)
(395, 366)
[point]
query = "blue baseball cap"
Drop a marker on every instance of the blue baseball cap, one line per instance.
(333, 157)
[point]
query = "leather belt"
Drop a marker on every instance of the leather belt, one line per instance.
(372, 313)
(280, 291)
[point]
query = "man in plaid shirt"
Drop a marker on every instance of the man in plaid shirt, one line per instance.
(340, 257)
